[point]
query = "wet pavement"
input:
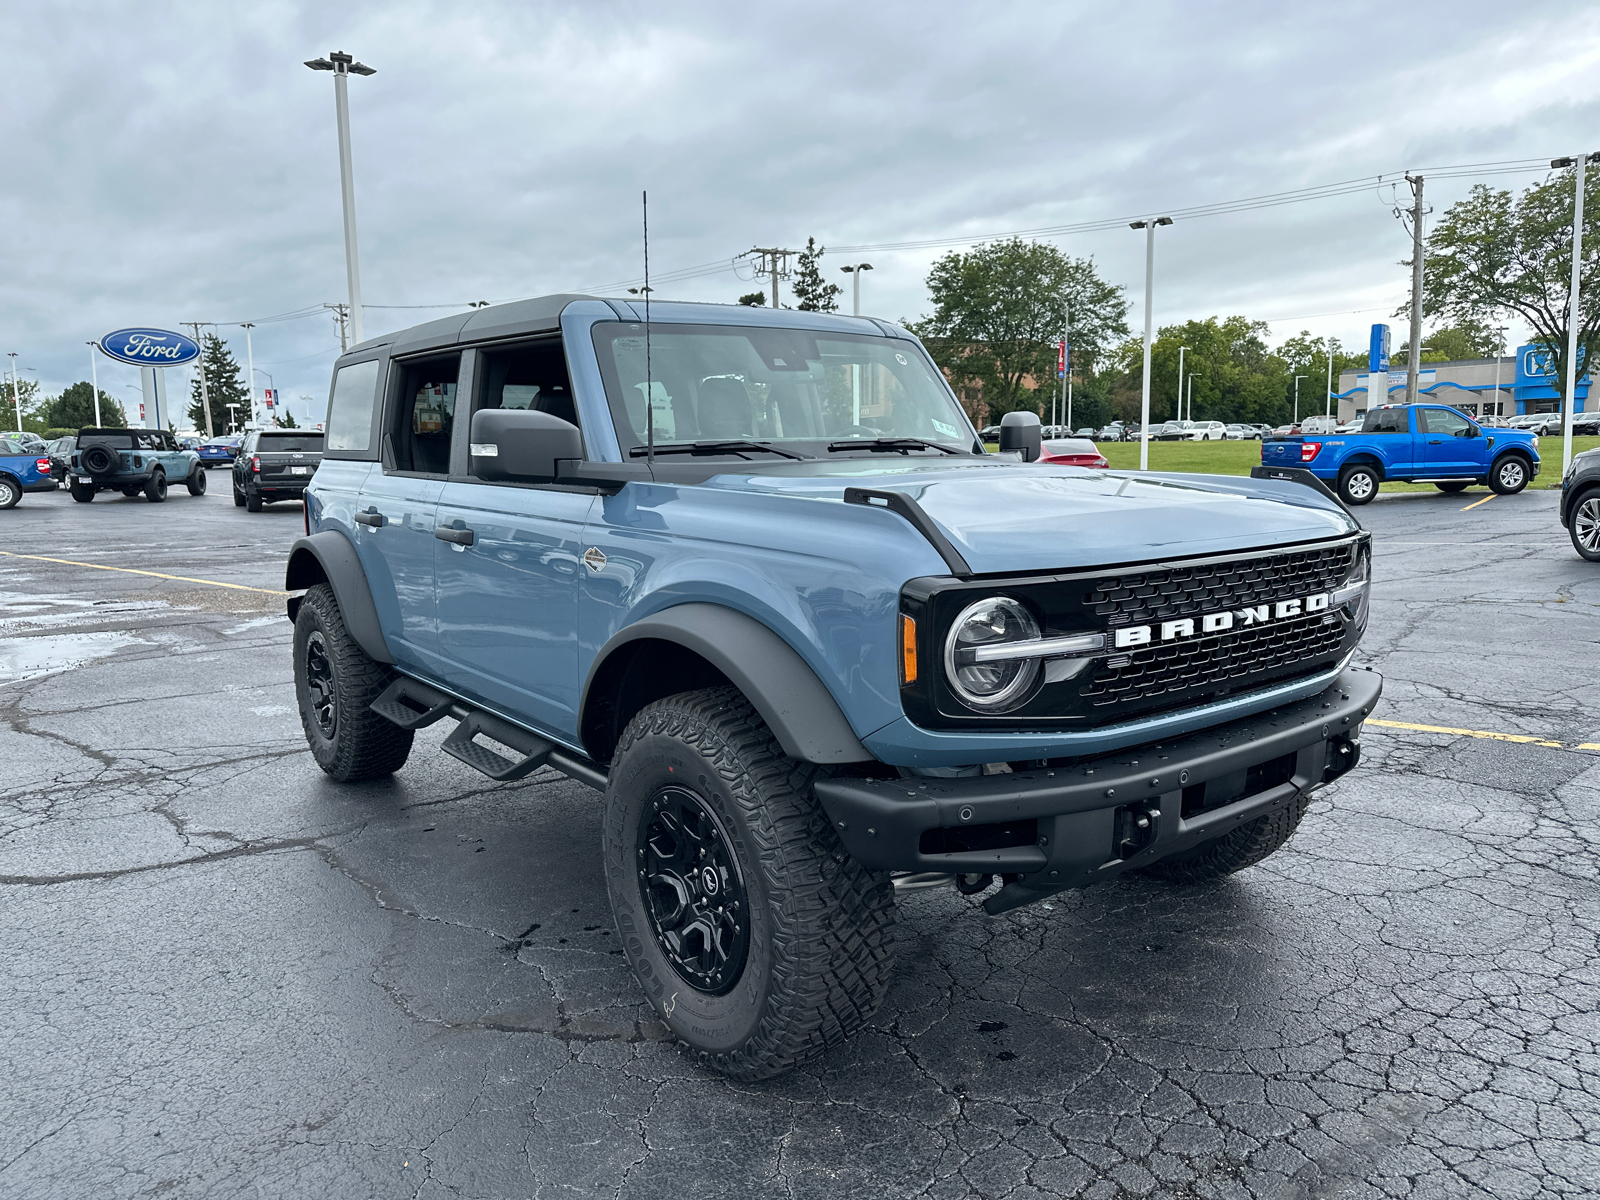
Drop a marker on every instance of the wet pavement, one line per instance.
(226, 976)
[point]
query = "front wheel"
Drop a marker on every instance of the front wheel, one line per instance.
(759, 941)
(155, 488)
(81, 492)
(196, 482)
(1510, 475)
(1585, 526)
(1358, 484)
(1233, 851)
(335, 682)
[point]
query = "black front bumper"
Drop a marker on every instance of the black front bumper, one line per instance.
(1070, 826)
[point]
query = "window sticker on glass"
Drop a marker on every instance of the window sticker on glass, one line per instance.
(903, 361)
(947, 430)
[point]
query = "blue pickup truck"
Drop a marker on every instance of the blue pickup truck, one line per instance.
(22, 470)
(1422, 443)
(752, 574)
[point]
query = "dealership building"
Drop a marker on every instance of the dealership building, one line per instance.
(1479, 387)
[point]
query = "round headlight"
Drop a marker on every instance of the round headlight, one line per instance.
(998, 685)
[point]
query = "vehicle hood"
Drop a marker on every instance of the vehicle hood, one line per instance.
(1003, 515)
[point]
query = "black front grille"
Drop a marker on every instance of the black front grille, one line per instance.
(1211, 662)
(1159, 595)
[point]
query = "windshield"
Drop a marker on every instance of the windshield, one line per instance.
(811, 393)
(277, 443)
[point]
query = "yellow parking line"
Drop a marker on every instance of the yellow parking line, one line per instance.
(1524, 738)
(1485, 500)
(67, 562)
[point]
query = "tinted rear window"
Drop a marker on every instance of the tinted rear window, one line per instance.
(116, 441)
(278, 443)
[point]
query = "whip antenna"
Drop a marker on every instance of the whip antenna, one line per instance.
(649, 386)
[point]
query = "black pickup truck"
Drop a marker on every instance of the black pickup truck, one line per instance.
(275, 464)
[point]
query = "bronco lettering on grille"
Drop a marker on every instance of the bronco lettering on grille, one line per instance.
(1170, 631)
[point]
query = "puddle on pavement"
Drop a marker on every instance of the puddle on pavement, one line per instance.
(50, 654)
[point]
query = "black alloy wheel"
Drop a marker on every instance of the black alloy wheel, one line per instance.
(319, 685)
(196, 483)
(1585, 527)
(691, 888)
(155, 488)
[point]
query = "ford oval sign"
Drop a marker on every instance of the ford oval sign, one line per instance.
(150, 347)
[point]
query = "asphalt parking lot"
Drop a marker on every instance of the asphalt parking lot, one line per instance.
(228, 976)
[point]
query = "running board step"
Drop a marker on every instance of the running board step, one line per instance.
(411, 705)
(460, 744)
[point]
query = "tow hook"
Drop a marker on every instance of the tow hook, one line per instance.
(1343, 753)
(1133, 829)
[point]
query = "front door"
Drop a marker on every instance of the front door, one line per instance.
(1447, 445)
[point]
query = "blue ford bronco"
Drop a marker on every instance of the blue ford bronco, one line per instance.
(131, 461)
(1424, 443)
(22, 470)
(753, 576)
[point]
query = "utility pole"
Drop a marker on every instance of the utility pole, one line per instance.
(250, 367)
(774, 262)
(1499, 338)
(1416, 288)
(205, 396)
(16, 396)
(94, 380)
(1328, 407)
(1182, 350)
(1297, 380)
(1574, 312)
(1149, 226)
(341, 318)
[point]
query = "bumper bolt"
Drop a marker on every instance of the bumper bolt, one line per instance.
(966, 812)
(1111, 791)
(1183, 777)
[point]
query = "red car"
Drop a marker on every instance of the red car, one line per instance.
(1071, 452)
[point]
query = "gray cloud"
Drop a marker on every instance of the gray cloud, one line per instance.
(170, 163)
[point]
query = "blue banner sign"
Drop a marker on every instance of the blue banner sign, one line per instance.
(1378, 349)
(150, 347)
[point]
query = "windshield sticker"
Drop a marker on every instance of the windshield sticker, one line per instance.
(902, 360)
(947, 430)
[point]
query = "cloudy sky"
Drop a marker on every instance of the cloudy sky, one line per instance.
(177, 162)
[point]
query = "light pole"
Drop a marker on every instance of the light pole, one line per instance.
(250, 366)
(1327, 408)
(1297, 380)
(16, 395)
(343, 66)
(233, 416)
(1182, 350)
(1192, 374)
(94, 380)
(1573, 312)
(854, 271)
(1149, 226)
(271, 387)
(1500, 335)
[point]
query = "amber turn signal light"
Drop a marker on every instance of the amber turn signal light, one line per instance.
(908, 650)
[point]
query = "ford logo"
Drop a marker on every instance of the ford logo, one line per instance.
(150, 347)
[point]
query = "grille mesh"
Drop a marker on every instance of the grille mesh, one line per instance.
(1212, 661)
(1150, 596)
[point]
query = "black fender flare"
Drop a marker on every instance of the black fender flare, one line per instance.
(328, 557)
(795, 704)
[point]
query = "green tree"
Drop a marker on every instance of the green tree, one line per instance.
(74, 409)
(1465, 339)
(1308, 356)
(753, 299)
(25, 398)
(1492, 253)
(811, 293)
(224, 385)
(287, 421)
(998, 311)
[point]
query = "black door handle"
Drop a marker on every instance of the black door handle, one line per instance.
(371, 517)
(448, 533)
(1435, 441)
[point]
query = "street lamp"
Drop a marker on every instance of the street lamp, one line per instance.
(1181, 351)
(854, 271)
(1192, 374)
(94, 379)
(250, 365)
(271, 386)
(1149, 226)
(1572, 303)
(1297, 380)
(16, 396)
(233, 416)
(343, 66)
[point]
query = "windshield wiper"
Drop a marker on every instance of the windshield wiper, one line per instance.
(901, 444)
(731, 447)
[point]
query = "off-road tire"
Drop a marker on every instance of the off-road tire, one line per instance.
(238, 497)
(1358, 483)
(1235, 850)
(81, 492)
(131, 492)
(1453, 485)
(819, 951)
(252, 501)
(196, 483)
(10, 492)
(362, 745)
(155, 488)
(1510, 474)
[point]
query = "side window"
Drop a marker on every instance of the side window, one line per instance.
(533, 376)
(424, 414)
(1442, 420)
(1386, 420)
(355, 389)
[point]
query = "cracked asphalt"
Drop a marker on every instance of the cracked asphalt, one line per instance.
(227, 976)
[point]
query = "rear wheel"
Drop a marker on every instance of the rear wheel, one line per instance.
(759, 941)
(238, 497)
(10, 492)
(196, 482)
(252, 501)
(1233, 851)
(81, 492)
(1453, 485)
(335, 682)
(155, 488)
(1510, 475)
(1358, 483)
(1585, 526)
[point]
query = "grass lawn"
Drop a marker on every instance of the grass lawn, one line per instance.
(1236, 458)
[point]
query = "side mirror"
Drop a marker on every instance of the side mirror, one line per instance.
(1020, 431)
(521, 445)
(1472, 431)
